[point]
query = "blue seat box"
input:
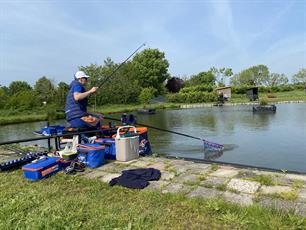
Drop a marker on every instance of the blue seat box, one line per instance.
(42, 168)
(91, 154)
(51, 130)
(110, 147)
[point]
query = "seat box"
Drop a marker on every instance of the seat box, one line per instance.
(42, 168)
(92, 155)
(110, 147)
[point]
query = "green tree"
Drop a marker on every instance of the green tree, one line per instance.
(255, 76)
(18, 87)
(221, 74)
(121, 87)
(44, 89)
(147, 94)
(25, 100)
(300, 77)
(151, 69)
(3, 97)
(202, 78)
(61, 93)
(276, 79)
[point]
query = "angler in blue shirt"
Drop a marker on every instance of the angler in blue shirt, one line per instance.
(76, 104)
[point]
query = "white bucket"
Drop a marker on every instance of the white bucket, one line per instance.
(127, 148)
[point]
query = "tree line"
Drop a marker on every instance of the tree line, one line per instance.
(140, 79)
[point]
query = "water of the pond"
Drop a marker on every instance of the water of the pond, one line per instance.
(274, 140)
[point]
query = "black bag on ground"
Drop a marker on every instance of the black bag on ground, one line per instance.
(136, 178)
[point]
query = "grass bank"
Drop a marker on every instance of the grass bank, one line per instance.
(9, 117)
(296, 95)
(70, 202)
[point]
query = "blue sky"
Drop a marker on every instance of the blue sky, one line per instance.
(53, 38)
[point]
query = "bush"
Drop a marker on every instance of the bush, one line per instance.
(198, 88)
(240, 89)
(271, 95)
(263, 101)
(146, 95)
(193, 97)
(22, 101)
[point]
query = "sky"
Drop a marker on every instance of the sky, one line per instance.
(54, 38)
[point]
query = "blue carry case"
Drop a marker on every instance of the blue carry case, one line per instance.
(110, 147)
(41, 168)
(51, 130)
(91, 154)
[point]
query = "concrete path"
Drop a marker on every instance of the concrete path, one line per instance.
(241, 186)
(245, 187)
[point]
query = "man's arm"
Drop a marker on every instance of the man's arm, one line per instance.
(79, 96)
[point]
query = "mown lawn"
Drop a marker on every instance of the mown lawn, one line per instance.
(296, 95)
(69, 202)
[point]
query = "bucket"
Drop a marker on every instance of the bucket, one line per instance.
(127, 145)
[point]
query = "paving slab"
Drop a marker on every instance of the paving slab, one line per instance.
(187, 178)
(127, 162)
(214, 181)
(108, 177)
(245, 174)
(176, 188)
(157, 185)
(140, 164)
(296, 177)
(199, 169)
(178, 169)
(241, 199)
(274, 189)
(225, 172)
(276, 174)
(282, 180)
(243, 185)
(302, 195)
(181, 162)
(207, 193)
(167, 176)
(111, 167)
(300, 209)
(159, 159)
(283, 205)
(161, 166)
(95, 174)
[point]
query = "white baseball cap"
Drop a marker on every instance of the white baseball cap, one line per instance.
(80, 74)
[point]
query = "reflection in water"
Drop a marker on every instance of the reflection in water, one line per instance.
(215, 154)
(212, 155)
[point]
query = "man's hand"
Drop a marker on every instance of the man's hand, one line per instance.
(93, 89)
(80, 96)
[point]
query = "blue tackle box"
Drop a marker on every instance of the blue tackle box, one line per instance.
(92, 155)
(110, 147)
(41, 168)
(51, 130)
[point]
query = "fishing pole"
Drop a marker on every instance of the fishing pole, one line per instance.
(207, 144)
(119, 66)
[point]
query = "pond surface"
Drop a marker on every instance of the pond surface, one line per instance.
(274, 140)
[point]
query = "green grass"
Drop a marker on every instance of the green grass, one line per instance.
(118, 108)
(296, 95)
(214, 167)
(292, 195)
(68, 202)
(263, 179)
